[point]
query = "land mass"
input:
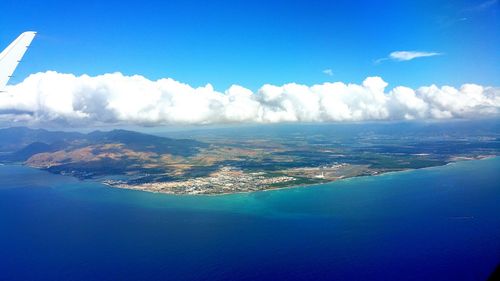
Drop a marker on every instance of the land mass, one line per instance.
(220, 165)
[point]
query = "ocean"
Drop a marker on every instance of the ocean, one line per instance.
(440, 223)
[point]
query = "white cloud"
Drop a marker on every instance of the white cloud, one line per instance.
(486, 5)
(407, 55)
(328, 72)
(56, 98)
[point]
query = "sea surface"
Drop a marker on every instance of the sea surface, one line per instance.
(440, 223)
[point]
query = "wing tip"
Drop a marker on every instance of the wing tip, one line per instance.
(29, 33)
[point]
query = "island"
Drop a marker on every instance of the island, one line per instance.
(225, 163)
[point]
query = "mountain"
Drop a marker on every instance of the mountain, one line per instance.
(28, 151)
(15, 138)
(144, 142)
(95, 153)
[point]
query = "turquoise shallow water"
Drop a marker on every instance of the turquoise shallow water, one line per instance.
(439, 223)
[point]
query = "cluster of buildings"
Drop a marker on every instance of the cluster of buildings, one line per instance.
(225, 180)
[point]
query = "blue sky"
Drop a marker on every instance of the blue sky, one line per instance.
(252, 43)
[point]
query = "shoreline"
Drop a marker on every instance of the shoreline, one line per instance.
(485, 157)
(305, 185)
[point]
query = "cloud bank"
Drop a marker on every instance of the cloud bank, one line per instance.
(56, 98)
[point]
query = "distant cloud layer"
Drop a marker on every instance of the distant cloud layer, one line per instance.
(56, 98)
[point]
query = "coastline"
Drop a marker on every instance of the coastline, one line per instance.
(305, 185)
(482, 157)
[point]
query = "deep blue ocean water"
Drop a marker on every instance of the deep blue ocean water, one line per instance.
(439, 223)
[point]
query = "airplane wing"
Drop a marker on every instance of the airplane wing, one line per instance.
(11, 56)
